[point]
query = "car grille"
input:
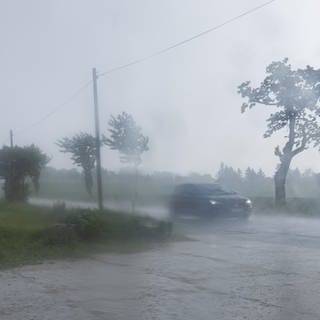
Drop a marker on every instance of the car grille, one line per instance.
(234, 203)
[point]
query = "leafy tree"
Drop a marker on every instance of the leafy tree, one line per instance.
(126, 137)
(82, 148)
(17, 165)
(295, 96)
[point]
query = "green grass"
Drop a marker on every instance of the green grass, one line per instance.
(30, 234)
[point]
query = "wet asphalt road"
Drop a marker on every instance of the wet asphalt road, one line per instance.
(267, 269)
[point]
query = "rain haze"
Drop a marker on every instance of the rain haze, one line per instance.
(185, 100)
(191, 213)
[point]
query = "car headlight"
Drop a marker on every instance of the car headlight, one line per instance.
(213, 202)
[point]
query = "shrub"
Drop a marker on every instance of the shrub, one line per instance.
(59, 234)
(88, 224)
(93, 224)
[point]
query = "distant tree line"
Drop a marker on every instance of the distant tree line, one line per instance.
(159, 185)
(256, 183)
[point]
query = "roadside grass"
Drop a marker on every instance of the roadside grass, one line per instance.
(30, 234)
(305, 207)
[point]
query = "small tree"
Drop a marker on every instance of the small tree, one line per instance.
(126, 137)
(295, 94)
(82, 148)
(17, 164)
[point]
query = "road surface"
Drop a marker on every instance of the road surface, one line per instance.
(268, 269)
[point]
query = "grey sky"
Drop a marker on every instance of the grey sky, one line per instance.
(185, 100)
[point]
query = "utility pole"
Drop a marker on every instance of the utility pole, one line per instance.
(11, 139)
(98, 141)
(9, 182)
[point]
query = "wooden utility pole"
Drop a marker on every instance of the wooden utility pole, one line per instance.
(11, 139)
(98, 141)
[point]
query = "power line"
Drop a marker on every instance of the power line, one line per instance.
(180, 43)
(57, 108)
(137, 61)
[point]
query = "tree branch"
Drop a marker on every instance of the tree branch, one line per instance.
(303, 144)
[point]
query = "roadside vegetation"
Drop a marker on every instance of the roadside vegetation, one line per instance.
(297, 206)
(20, 168)
(30, 234)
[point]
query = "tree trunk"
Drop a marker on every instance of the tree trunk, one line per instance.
(280, 182)
(280, 189)
(134, 196)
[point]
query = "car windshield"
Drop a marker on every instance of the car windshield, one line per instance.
(208, 190)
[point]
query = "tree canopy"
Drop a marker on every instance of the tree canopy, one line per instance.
(16, 165)
(126, 137)
(82, 148)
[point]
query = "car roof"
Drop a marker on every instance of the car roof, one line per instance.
(199, 186)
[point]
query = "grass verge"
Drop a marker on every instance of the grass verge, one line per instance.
(30, 234)
(305, 207)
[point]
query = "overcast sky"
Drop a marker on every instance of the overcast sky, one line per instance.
(185, 100)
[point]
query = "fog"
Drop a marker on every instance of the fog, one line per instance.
(185, 100)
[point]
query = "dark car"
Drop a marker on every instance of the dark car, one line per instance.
(208, 200)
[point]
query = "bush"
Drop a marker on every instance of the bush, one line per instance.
(93, 224)
(59, 234)
(88, 225)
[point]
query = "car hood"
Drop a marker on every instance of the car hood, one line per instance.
(225, 197)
